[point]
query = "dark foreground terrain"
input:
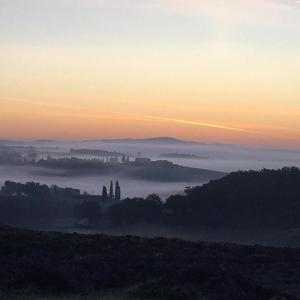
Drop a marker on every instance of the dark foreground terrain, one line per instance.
(41, 265)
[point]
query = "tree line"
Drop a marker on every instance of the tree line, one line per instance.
(266, 198)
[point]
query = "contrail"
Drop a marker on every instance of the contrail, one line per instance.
(183, 121)
(202, 124)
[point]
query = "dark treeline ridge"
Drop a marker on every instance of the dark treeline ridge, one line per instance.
(267, 198)
(248, 199)
(34, 204)
(160, 171)
(95, 152)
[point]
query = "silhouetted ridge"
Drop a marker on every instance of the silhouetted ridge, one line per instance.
(267, 198)
(154, 140)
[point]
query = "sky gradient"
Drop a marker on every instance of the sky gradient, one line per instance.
(217, 71)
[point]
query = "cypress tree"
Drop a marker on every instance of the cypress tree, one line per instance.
(118, 191)
(111, 191)
(104, 194)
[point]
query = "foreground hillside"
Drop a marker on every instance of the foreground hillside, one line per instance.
(40, 263)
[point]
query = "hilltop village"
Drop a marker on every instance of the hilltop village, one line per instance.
(29, 155)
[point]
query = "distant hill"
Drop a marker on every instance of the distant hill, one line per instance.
(29, 142)
(44, 141)
(154, 140)
(9, 142)
(183, 155)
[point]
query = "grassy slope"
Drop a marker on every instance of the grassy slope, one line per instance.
(40, 263)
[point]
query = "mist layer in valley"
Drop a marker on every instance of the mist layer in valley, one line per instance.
(217, 157)
(92, 184)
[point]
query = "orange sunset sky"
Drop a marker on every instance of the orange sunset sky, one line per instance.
(216, 71)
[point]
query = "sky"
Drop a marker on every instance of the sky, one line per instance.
(215, 71)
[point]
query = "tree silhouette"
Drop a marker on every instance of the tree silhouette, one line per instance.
(117, 191)
(111, 191)
(104, 194)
